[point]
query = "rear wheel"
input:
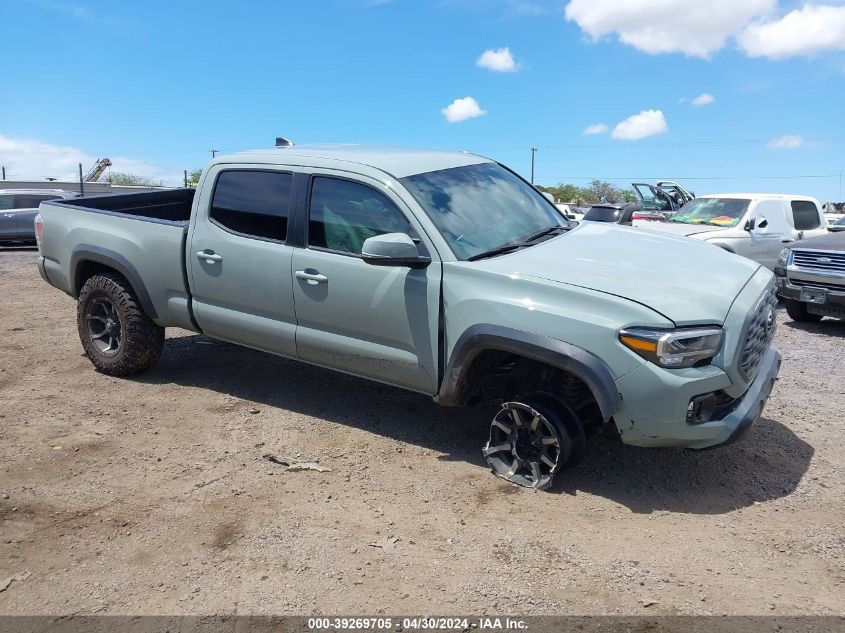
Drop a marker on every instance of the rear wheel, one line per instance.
(118, 338)
(797, 311)
(532, 439)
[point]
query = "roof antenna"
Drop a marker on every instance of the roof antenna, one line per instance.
(281, 141)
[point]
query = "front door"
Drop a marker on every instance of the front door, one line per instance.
(240, 262)
(771, 232)
(374, 321)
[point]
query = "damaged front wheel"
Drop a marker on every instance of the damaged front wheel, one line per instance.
(531, 440)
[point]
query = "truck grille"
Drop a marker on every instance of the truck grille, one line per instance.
(819, 260)
(759, 335)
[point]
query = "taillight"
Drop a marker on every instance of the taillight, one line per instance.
(39, 229)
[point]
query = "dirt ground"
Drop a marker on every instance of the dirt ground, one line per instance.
(151, 495)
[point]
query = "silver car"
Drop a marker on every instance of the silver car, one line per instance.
(18, 208)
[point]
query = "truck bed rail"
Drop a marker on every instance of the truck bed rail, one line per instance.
(170, 205)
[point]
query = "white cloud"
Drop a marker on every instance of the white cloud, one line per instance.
(637, 126)
(705, 98)
(27, 159)
(596, 128)
(499, 60)
(462, 109)
(800, 33)
(788, 141)
(692, 27)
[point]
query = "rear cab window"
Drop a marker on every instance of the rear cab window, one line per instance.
(805, 215)
(253, 203)
(602, 214)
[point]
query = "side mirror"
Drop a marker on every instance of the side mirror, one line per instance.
(749, 224)
(393, 249)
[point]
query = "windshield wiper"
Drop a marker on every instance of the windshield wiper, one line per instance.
(547, 231)
(499, 250)
(512, 246)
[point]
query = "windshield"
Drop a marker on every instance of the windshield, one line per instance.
(480, 208)
(602, 214)
(713, 211)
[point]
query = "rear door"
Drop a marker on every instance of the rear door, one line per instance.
(376, 321)
(26, 208)
(8, 223)
(239, 259)
(807, 219)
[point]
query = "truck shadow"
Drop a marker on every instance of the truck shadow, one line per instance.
(766, 466)
(15, 247)
(827, 327)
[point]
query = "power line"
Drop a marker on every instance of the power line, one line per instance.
(562, 178)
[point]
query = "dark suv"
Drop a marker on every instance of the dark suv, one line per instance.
(18, 208)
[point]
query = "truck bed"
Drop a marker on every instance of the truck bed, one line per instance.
(140, 235)
(170, 205)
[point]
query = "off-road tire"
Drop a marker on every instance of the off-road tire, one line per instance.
(140, 340)
(797, 311)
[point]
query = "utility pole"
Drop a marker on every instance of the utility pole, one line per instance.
(214, 152)
(81, 183)
(186, 179)
(533, 152)
(840, 180)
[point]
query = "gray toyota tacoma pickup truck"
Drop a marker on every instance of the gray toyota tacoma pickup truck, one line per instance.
(440, 272)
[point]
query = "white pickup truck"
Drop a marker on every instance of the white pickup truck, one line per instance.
(754, 225)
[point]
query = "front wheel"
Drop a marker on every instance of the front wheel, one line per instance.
(797, 311)
(532, 439)
(118, 338)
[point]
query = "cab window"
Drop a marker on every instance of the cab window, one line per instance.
(6, 202)
(343, 214)
(805, 215)
(31, 201)
(253, 203)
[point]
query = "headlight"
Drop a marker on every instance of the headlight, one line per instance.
(783, 258)
(673, 349)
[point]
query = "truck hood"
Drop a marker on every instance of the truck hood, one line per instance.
(679, 228)
(687, 281)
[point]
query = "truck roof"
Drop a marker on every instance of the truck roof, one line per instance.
(759, 196)
(397, 161)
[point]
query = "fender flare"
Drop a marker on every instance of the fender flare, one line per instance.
(585, 365)
(92, 253)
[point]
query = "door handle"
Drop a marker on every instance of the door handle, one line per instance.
(311, 278)
(209, 257)
(786, 241)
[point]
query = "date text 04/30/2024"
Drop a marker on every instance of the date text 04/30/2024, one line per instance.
(415, 623)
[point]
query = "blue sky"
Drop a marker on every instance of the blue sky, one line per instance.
(155, 85)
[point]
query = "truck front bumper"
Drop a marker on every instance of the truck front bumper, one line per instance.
(650, 418)
(834, 304)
